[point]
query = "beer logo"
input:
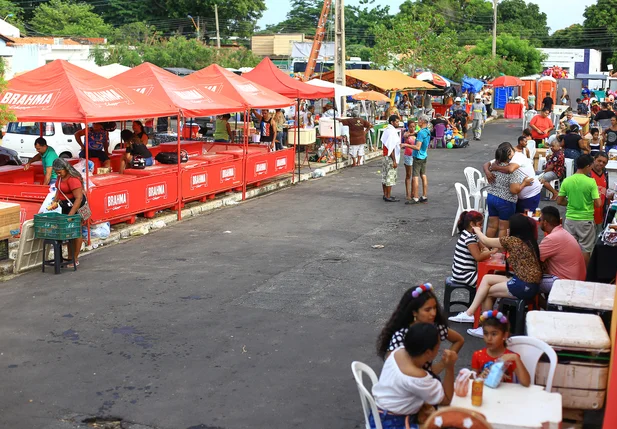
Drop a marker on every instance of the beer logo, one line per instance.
(155, 192)
(144, 90)
(109, 96)
(24, 100)
(228, 174)
(199, 180)
(261, 168)
(281, 163)
(116, 201)
(192, 95)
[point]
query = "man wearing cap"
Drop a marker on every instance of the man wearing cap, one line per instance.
(478, 112)
(328, 111)
(456, 106)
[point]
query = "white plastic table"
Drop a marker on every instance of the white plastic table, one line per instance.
(587, 295)
(512, 406)
(611, 167)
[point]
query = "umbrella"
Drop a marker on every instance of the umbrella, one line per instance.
(502, 81)
(433, 78)
(371, 96)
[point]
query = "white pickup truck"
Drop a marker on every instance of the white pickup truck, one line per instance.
(20, 137)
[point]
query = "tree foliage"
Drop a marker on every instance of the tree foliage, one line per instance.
(67, 18)
(177, 51)
(519, 56)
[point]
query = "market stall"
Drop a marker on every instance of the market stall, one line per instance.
(269, 76)
(62, 92)
(258, 163)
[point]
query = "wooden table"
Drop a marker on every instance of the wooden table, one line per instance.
(497, 262)
(512, 406)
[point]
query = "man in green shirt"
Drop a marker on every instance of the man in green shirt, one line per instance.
(579, 193)
(46, 155)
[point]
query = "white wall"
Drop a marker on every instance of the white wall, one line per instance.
(8, 30)
(29, 57)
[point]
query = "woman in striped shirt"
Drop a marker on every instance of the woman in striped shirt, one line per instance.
(467, 252)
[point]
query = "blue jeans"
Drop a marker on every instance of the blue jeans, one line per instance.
(390, 421)
(500, 207)
(149, 161)
(521, 289)
(531, 203)
(572, 154)
(279, 138)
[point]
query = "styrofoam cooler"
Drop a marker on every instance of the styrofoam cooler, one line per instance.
(579, 339)
(326, 127)
(307, 136)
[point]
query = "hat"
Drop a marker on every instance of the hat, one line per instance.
(457, 99)
(478, 97)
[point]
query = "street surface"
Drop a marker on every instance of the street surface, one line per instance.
(248, 317)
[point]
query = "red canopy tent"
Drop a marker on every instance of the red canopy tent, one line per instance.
(252, 95)
(185, 95)
(221, 81)
(62, 92)
(268, 75)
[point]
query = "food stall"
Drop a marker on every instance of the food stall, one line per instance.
(258, 163)
(511, 110)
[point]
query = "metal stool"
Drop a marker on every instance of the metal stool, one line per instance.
(451, 286)
(59, 261)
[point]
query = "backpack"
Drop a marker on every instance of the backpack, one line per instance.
(172, 157)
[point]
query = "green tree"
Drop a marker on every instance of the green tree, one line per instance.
(67, 18)
(13, 13)
(600, 30)
(519, 55)
(569, 37)
(523, 19)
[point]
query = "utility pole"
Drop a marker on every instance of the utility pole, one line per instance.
(216, 17)
(494, 28)
(339, 43)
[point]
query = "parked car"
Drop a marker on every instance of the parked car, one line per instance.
(20, 137)
(8, 157)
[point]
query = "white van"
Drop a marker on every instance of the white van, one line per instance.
(20, 137)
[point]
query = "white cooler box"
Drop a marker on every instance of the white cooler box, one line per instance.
(577, 338)
(307, 136)
(326, 128)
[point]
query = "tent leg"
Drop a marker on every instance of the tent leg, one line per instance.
(179, 171)
(298, 137)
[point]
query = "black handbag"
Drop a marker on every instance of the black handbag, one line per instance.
(172, 157)
(138, 162)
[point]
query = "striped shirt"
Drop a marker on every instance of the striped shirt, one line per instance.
(465, 267)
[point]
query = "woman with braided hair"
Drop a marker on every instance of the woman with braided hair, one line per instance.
(70, 196)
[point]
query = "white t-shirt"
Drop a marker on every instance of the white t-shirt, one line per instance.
(404, 395)
(526, 167)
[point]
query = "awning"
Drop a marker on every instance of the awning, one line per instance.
(268, 75)
(63, 92)
(186, 95)
(592, 76)
(339, 90)
(384, 80)
(225, 82)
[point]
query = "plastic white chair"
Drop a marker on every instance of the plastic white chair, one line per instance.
(368, 402)
(531, 146)
(473, 184)
(464, 204)
(528, 116)
(569, 167)
(531, 350)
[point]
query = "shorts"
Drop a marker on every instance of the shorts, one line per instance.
(549, 176)
(522, 290)
(525, 204)
(572, 154)
(419, 167)
(356, 150)
(584, 231)
(100, 154)
(408, 160)
(547, 283)
(388, 172)
(498, 207)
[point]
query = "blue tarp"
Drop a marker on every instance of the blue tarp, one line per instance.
(472, 85)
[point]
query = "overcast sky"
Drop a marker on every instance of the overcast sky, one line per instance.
(560, 13)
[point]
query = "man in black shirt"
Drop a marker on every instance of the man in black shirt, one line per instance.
(548, 102)
(604, 113)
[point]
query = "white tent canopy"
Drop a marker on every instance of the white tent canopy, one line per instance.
(339, 90)
(110, 70)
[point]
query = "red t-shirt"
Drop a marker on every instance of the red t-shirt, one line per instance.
(67, 186)
(598, 212)
(542, 124)
(481, 360)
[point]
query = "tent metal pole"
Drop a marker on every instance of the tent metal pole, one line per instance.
(178, 119)
(297, 142)
(335, 142)
(88, 181)
(245, 151)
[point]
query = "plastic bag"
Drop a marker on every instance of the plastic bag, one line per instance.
(461, 384)
(100, 230)
(48, 200)
(81, 167)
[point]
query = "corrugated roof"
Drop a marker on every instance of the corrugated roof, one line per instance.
(42, 41)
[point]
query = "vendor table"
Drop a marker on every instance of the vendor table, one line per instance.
(602, 265)
(513, 111)
(497, 262)
(512, 406)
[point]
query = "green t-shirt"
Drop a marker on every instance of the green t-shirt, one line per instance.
(48, 159)
(581, 191)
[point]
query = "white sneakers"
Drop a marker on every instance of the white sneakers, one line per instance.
(462, 317)
(478, 332)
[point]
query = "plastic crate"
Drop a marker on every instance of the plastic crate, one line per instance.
(56, 226)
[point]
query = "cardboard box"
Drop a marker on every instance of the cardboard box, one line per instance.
(307, 136)
(582, 384)
(326, 128)
(9, 220)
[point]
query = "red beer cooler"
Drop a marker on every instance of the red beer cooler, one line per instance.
(262, 165)
(191, 147)
(203, 179)
(16, 174)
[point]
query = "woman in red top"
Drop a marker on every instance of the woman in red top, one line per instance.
(70, 196)
(599, 174)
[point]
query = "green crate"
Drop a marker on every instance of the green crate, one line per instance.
(56, 226)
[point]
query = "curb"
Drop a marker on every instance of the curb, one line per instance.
(143, 226)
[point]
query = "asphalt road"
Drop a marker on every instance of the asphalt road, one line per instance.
(248, 317)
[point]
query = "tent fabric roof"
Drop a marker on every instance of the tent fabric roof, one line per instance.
(340, 90)
(184, 94)
(388, 80)
(222, 81)
(63, 92)
(268, 75)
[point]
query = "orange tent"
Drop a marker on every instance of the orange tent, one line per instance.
(63, 92)
(221, 81)
(162, 85)
(268, 75)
